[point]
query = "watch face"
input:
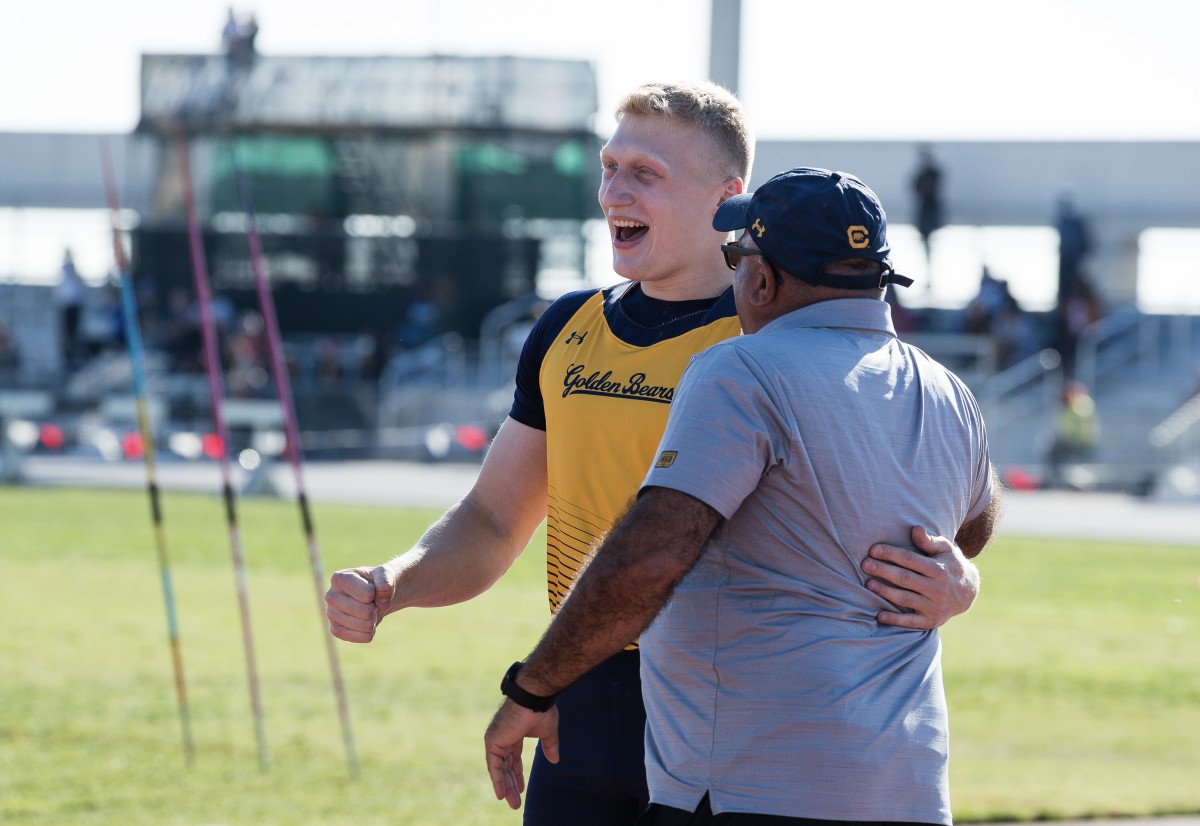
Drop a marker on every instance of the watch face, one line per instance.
(510, 678)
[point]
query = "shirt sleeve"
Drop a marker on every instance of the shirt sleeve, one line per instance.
(723, 433)
(528, 407)
(981, 492)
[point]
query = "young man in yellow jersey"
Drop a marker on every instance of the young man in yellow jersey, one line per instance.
(594, 384)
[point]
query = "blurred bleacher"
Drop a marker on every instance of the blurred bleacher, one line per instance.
(1142, 370)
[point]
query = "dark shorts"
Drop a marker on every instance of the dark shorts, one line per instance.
(600, 778)
(659, 815)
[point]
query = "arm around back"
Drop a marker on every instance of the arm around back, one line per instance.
(629, 580)
(937, 581)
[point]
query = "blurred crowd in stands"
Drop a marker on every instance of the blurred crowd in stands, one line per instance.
(318, 361)
(994, 312)
(90, 319)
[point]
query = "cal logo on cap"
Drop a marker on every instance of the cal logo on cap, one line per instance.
(666, 458)
(860, 239)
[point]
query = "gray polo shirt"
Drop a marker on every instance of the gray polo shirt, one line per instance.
(768, 682)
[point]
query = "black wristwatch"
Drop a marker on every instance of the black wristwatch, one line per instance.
(510, 689)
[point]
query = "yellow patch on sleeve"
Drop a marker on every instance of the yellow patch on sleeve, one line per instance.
(666, 458)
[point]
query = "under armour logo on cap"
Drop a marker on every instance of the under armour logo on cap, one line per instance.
(817, 217)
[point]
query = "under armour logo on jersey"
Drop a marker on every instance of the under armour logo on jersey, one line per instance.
(577, 338)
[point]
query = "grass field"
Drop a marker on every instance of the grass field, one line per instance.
(1074, 683)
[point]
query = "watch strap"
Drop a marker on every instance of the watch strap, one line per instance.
(523, 698)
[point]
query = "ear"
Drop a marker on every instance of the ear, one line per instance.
(731, 187)
(762, 288)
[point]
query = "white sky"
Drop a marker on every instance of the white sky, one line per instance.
(909, 70)
(888, 69)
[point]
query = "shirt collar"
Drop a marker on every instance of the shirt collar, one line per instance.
(870, 314)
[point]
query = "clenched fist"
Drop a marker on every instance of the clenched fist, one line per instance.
(357, 599)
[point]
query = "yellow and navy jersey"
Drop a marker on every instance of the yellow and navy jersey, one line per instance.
(598, 373)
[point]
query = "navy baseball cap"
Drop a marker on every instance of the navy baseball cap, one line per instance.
(806, 218)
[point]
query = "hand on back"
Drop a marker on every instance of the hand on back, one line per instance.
(928, 586)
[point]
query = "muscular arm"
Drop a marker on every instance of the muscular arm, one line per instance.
(477, 540)
(463, 553)
(623, 589)
(628, 582)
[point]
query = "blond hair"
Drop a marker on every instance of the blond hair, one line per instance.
(712, 109)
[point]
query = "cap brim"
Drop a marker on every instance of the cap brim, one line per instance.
(731, 215)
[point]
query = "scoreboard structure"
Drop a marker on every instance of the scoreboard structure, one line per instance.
(378, 182)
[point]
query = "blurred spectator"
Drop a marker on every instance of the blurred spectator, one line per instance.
(250, 34)
(1014, 332)
(903, 319)
(1074, 242)
(237, 39)
(10, 356)
(1077, 432)
(69, 296)
(225, 321)
(995, 312)
(983, 309)
(1080, 308)
(177, 332)
(420, 322)
(329, 361)
(248, 375)
(927, 187)
(368, 355)
(103, 327)
(231, 32)
(253, 330)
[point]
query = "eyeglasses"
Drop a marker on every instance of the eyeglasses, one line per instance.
(733, 251)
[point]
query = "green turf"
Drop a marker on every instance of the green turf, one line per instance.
(1074, 684)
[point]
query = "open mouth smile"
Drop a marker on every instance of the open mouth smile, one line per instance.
(629, 230)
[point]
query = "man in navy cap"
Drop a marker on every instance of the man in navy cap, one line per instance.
(772, 694)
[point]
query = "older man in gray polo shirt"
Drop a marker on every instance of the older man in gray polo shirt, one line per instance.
(771, 691)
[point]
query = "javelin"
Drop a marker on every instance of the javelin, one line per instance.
(133, 340)
(283, 389)
(212, 366)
